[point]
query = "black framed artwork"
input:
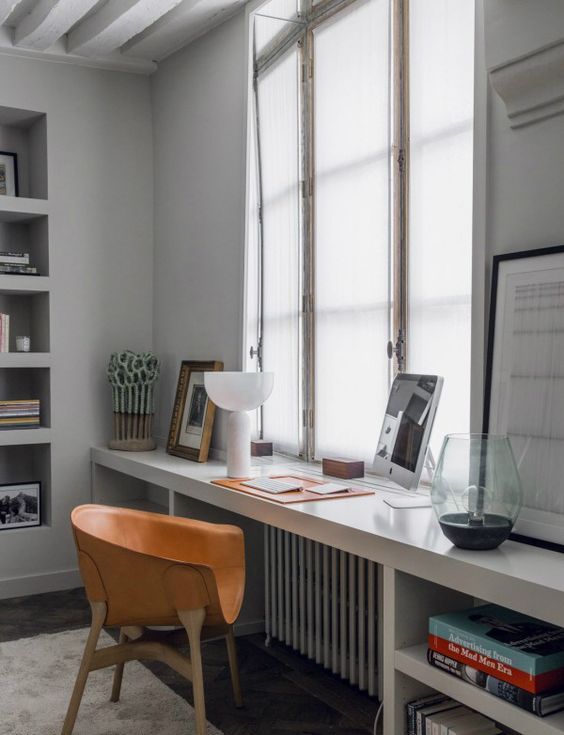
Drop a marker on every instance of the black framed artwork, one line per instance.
(20, 505)
(524, 391)
(9, 184)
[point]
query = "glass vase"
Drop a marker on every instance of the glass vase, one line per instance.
(476, 490)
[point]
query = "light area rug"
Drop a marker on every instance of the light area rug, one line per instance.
(36, 680)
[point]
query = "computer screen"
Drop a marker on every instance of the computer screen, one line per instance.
(407, 427)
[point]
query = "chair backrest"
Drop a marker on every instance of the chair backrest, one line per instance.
(146, 566)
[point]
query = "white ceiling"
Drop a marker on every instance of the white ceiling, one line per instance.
(133, 35)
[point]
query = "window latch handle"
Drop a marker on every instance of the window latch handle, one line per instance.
(257, 353)
(397, 350)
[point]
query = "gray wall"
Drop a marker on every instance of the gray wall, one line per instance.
(199, 123)
(199, 120)
(100, 165)
(525, 166)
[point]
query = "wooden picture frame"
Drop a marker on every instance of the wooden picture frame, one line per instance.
(524, 389)
(20, 505)
(193, 413)
(9, 184)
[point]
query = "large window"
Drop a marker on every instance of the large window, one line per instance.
(360, 214)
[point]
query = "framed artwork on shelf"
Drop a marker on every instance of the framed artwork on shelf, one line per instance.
(9, 174)
(524, 392)
(20, 505)
(193, 413)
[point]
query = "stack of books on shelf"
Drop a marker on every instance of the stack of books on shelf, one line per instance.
(440, 715)
(4, 332)
(16, 264)
(512, 656)
(19, 414)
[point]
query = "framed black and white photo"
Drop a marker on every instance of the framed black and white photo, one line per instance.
(20, 505)
(193, 414)
(9, 174)
(524, 395)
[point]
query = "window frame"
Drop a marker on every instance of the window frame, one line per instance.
(310, 17)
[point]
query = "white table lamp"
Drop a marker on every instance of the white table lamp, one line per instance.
(239, 393)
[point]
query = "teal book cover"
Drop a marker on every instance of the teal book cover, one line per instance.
(502, 635)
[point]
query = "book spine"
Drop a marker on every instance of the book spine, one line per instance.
(410, 719)
(22, 258)
(4, 330)
(27, 270)
(511, 675)
(496, 650)
(508, 692)
(483, 646)
(14, 259)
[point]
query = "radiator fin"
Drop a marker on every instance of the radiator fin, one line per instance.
(322, 602)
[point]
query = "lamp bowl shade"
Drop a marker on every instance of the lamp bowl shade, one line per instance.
(476, 491)
(235, 391)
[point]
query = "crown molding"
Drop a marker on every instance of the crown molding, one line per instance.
(532, 85)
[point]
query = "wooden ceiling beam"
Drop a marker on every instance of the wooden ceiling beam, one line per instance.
(114, 24)
(49, 21)
(192, 18)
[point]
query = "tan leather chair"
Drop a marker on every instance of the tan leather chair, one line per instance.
(146, 569)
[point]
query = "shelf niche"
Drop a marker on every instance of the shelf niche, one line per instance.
(21, 383)
(28, 464)
(24, 132)
(27, 237)
(29, 316)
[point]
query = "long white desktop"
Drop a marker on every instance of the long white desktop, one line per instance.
(422, 573)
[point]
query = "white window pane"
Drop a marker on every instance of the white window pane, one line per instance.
(440, 226)
(252, 261)
(279, 151)
(270, 21)
(352, 223)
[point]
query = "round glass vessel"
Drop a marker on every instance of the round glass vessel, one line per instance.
(476, 490)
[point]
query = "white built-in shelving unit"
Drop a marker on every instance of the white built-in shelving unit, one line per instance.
(25, 454)
(420, 572)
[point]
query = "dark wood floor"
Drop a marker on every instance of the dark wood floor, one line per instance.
(284, 692)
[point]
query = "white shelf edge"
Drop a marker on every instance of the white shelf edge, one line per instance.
(413, 662)
(20, 208)
(25, 359)
(23, 284)
(137, 504)
(23, 437)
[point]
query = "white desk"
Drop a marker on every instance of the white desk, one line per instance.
(422, 573)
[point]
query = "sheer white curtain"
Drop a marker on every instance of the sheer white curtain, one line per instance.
(279, 156)
(352, 223)
(440, 227)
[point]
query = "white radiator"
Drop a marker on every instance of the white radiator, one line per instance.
(322, 603)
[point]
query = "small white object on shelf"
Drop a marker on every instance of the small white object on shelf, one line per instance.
(23, 344)
(239, 393)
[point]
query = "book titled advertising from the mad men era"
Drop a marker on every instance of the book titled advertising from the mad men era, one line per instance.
(513, 647)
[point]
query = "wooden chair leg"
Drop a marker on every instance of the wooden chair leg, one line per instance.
(118, 673)
(193, 621)
(234, 667)
(98, 617)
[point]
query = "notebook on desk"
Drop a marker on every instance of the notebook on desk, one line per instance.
(293, 496)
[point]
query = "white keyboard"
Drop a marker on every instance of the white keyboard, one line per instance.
(268, 485)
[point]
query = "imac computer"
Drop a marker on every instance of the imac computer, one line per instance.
(406, 430)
